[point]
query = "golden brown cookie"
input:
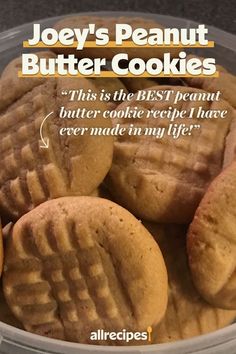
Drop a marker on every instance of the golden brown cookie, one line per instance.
(6, 315)
(164, 179)
(71, 165)
(225, 83)
(212, 242)
(82, 21)
(77, 264)
(187, 314)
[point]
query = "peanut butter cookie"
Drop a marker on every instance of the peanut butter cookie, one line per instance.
(212, 242)
(69, 161)
(187, 314)
(161, 178)
(77, 264)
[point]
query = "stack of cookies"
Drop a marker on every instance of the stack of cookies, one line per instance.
(126, 233)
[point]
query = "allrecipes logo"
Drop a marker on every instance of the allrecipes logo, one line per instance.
(122, 335)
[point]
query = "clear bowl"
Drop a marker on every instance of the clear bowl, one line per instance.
(13, 340)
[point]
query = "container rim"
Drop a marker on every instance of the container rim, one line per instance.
(21, 338)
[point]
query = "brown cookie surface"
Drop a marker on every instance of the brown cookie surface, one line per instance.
(212, 242)
(163, 179)
(82, 21)
(187, 314)
(78, 264)
(71, 165)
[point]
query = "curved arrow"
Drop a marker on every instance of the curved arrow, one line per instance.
(44, 141)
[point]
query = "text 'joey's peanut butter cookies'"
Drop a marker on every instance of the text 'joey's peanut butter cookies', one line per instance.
(187, 314)
(71, 164)
(164, 178)
(77, 264)
(110, 23)
(212, 242)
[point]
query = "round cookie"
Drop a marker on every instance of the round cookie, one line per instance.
(150, 176)
(212, 242)
(187, 314)
(82, 21)
(71, 165)
(78, 264)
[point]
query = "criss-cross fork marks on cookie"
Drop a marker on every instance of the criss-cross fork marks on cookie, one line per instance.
(77, 264)
(26, 170)
(144, 166)
(29, 174)
(63, 276)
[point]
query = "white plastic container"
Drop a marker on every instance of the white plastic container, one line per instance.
(16, 341)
